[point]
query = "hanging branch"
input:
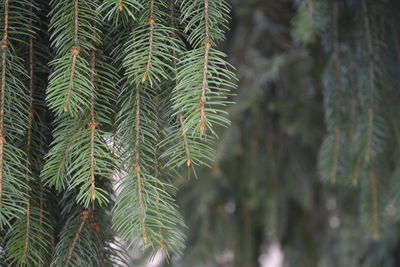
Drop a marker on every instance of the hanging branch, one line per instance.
(207, 77)
(69, 88)
(175, 67)
(4, 49)
(75, 53)
(92, 124)
(185, 141)
(336, 57)
(371, 115)
(79, 153)
(152, 21)
(207, 46)
(137, 166)
(29, 141)
(86, 215)
(371, 82)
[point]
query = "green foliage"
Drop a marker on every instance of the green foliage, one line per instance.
(90, 136)
(309, 21)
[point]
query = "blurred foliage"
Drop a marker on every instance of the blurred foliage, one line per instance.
(304, 163)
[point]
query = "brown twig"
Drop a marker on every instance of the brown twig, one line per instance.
(29, 141)
(186, 142)
(83, 220)
(174, 65)
(75, 53)
(92, 124)
(207, 46)
(152, 22)
(4, 48)
(137, 166)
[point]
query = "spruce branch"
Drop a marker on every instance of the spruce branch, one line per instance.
(371, 81)
(207, 46)
(4, 49)
(29, 141)
(86, 215)
(137, 165)
(336, 55)
(13, 112)
(152, 21)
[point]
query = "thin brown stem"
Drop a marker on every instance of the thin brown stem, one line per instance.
(92, 124)
(29, 141)
(75, 53)
(174, 65)
(4, 50)
(207, 46)
(137, 166)
(186, 142)
(152, 22)
(86, 215)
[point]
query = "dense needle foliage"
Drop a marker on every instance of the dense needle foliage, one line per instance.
(102, 103)
(106, 106)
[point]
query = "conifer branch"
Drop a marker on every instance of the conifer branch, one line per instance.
(75, 53)
(175, 68)
(371, 81)
(186, 142)
(29, 140)
(336, 55)
(137, 166)
(4, 50)
(86, 215)
(92, 124)
(207, 46)
(152, 21)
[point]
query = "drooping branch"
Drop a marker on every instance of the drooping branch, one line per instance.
(137, 167)
(75, 53)
(371, 81)
(175, 68)
(29, 140)
(86, 215)
(186, 142)
(4, 50)
(336, 57)
(92, 124)
(207, 46)
(152, 22)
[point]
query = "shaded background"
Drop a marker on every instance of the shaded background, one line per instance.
(264, 197)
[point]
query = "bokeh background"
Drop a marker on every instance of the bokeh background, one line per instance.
(263, 202)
